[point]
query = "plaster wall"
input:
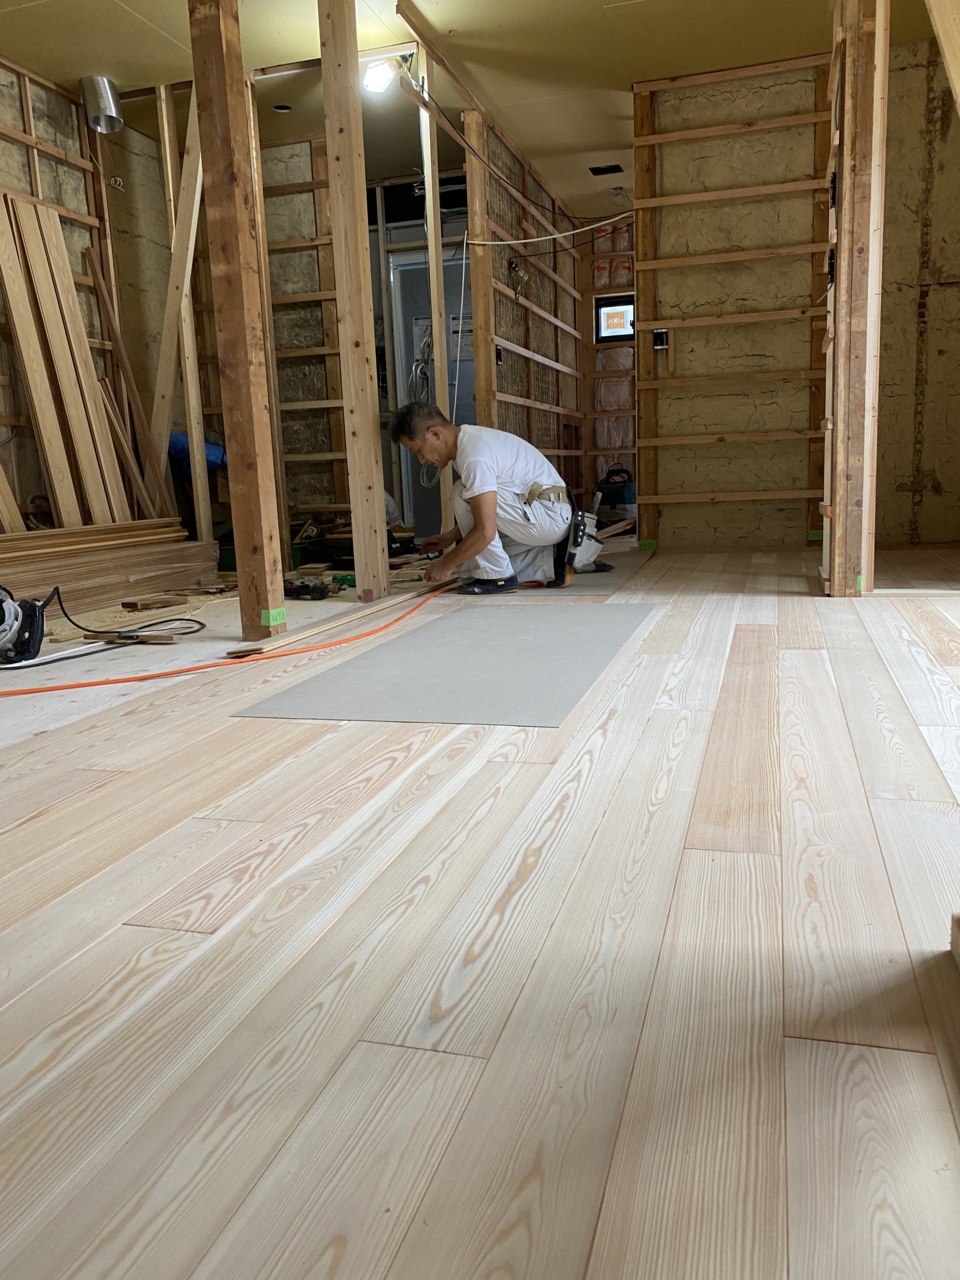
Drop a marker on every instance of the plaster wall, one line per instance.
(918, 461)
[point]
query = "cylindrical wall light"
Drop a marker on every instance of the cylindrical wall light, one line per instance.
(101, 104)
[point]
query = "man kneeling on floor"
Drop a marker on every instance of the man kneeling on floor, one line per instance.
(511, 506)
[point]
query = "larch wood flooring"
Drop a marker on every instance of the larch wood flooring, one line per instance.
(662, 994)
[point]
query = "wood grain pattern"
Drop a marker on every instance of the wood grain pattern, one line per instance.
(535, 1143)
(873, 1165)
(894, 759)
(847, 973)
(799, 626)
(462, 988)
(939, 633)
(738, 800)
(694, 683)
(11, 521)
(944, 744)
(928, 690)
(372, 1139)
(325, 968)
(703, 1122)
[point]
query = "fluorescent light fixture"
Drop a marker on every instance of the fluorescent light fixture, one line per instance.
(378, 75)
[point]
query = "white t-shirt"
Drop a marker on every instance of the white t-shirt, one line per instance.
(488, 460)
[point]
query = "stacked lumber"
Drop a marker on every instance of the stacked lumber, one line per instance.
(97, 566)
(80, 434)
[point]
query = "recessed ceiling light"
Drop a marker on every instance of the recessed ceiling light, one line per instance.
(282, 106)
(600, 170)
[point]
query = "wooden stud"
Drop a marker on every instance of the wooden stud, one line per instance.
(767, 495)
(731, 437)
(733, 255)
(732, 318)
(731, 130)
(29, 136)
(734, 193)
(733, 73)
(235, 267)
(326, 268)
(537, 311)
(438, 310)
(36, 381)
(351, 249)
(386, 311)
(645, 249)
(538, 359)
(481, 273)
(819, 290)
(189, 368)
(946, 25)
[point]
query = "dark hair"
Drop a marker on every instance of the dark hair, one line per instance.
(411, 421)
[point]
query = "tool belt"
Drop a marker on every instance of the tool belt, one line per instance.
(537, 493)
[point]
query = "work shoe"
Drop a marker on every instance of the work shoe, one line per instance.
(488, 586)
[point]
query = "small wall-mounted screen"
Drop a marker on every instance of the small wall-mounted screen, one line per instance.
(614, 318)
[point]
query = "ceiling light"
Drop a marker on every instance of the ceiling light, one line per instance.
(282, 106)
(378, 76)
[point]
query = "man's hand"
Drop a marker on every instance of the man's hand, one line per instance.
(439, 571)
(439, 542)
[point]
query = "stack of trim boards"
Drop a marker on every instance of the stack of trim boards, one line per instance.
(98, 565)
(101, 551)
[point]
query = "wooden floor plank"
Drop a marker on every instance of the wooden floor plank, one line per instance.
(32, 797)
(944, 744)
(928, 690)
(738, 800)
(57, 866)
(759, 604)
(165, 1168)
(372, 1139)
(920, 843)
(694, 683)
(436, 756)
(937, 631)
(874, 1165)
(799, 626)
(458, 995)
(64, 929)
(847, 972)
(697, 1185)
(894, 759)
(519, 1187)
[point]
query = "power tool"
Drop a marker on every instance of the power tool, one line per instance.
(21, 627)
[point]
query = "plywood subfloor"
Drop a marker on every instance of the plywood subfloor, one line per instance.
(662, 992)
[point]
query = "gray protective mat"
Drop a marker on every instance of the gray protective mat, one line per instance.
(485, 663)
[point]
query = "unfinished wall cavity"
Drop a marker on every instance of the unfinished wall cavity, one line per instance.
(764, 285)
(918, 462)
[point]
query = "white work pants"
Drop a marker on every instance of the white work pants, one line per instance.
(526, 536)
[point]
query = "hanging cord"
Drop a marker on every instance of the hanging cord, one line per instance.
(463, 294)
(418, 389)
(559, 235)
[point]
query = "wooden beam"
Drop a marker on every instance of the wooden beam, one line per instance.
(732, 318)
(63, 495)
(560, 410)
(767, 495)
(189, 367)
(481, 272)
(645, 250)
(732, 379)
(945, 16)
(734, 193)
(729, 437)
(529, 255)
(235, 269)
(386, 311)
(733, 73)
(537, 311)
(351, 251)
(438, 309)
(269, 343)
(532, 355)
(731, 130)
(733, 255)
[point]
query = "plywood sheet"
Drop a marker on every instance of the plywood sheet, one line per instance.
(697, 1183)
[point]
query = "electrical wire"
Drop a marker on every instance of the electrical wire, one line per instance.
(226, 662)
(559, 235)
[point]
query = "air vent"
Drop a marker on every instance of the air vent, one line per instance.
(601, 170)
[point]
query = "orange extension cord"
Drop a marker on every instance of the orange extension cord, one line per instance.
(225, 662)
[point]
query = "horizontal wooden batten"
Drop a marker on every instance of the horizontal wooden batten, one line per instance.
(537, 404)
(532, 355)
(303, 406)
(46, 148)
(505, 237)
(735, 193)
(314, 457)
(294, 188)
(292, 246)
(562, 453)
(766, 495)
(537, 311)
(733, 379)
(303, 353)
(732, 130)
(409, 246)
(730, 437)
(308, 508)
(733, 255)
(71, 215)
(733, 73)
(741, 317)
(296, 299)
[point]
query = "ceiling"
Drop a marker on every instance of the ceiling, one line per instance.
(555, 74)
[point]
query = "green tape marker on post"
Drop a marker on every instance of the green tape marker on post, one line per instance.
(814, 535)
(859, 581)
(647, 544)
(273, 617)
